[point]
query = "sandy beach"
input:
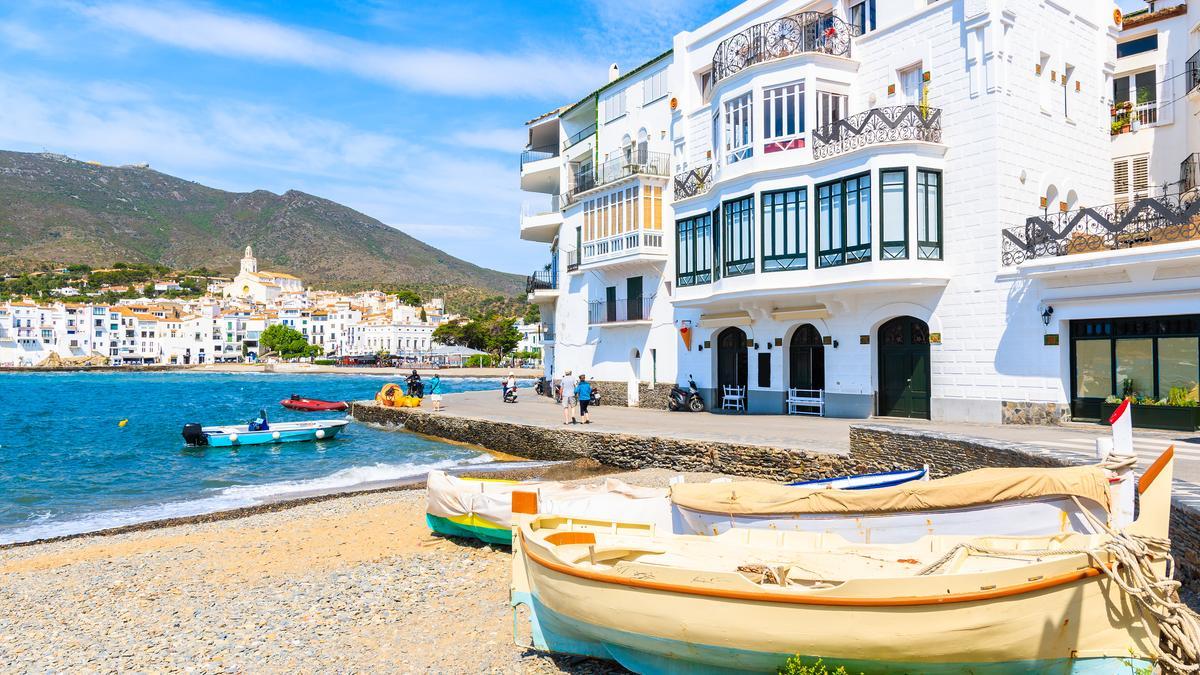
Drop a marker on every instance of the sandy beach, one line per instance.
(356, 583)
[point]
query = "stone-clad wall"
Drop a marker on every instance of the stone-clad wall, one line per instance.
(617, 393)
(873, 447)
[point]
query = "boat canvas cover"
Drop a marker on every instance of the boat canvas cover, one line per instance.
(449, 496)
(970, 489)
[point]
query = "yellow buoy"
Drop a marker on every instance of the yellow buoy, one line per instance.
(123, 422)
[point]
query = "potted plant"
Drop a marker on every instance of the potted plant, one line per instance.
(1179, 411)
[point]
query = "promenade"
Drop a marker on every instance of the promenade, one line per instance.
(814, 434)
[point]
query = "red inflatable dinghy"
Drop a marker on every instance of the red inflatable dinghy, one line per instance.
(312, 404)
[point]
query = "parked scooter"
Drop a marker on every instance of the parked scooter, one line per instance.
(686, 399)
(510, 394)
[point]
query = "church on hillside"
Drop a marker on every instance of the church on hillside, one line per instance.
(250, 284)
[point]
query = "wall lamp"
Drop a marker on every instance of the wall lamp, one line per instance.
(1046, 314)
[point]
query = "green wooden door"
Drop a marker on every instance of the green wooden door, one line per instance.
(904, 381)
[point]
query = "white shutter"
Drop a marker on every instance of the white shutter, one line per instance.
(1166, 94)
(1141, 176)
(1121, 180)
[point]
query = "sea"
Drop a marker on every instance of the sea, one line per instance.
(68, 465)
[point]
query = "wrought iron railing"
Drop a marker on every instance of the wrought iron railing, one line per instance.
(796, 34)
(1189, 172)
(622, 310)
(637, 161)
(694, 182)
(584, 134)
(538, 154)
(581, 181)
(878, 125)
(1192, 67)
(572, 260)
(1143, 222)
(542, 280)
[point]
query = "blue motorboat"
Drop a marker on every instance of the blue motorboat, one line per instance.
(259, 433)
(866, 481)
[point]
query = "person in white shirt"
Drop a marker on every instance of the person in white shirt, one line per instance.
(568, 397)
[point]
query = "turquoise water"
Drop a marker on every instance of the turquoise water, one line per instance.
(67, 467)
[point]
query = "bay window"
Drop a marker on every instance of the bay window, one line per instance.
(929, 214)
(737, 235)
(785, 230)
(693, 250)
(844, 221)
(893, 214)
(783, 117)
(739, 128)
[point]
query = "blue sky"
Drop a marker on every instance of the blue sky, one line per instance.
(411, 112)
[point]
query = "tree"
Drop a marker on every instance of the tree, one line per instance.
(424, 317)
(287, 342)
(500, 335)
(408, 297)
(532, 313)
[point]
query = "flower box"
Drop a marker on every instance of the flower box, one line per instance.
(1170, 417)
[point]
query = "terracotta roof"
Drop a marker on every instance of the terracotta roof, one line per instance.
(1142, 18)
(281, 275)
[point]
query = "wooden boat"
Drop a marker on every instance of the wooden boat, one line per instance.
(1011, 502)
(866, 481)
(481, 508)
(748, 599)
(313, 404)
(276, 432)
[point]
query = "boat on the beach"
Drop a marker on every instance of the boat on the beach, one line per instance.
(866, 481)
(276, 432)
(748, 599)
(313, 404)
(482, 508)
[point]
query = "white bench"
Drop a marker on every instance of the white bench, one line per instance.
(806, 398)
(734, 398)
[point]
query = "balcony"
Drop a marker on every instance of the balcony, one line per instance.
(541, 223)
(632, 162)
(542, 286)
(694, 182)
(878, 125)
(581, 181)
(584, 134)
(1148, 221)
(573, 261)
(624, 311)
(1126, 117)
(1192, 68)
(627, 247)
(539, 169)
(806, 32)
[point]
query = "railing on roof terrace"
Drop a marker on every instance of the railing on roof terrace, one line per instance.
(818, 32)
(584, 134)
(694, 182)
(1143, 222)
(878, 125)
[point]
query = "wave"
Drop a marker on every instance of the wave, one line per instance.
(44, 526)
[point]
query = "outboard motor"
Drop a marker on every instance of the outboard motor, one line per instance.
(193, 434)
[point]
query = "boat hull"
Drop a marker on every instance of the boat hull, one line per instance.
(471, 527)
(313, 405)
(285, 432)
(557, 632)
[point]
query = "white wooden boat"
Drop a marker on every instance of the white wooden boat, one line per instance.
(748, 599)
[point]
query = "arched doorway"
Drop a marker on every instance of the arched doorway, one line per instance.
(731, 359)
(904, 368)
(806, 359)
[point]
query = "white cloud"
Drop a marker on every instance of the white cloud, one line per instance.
(642, 29)
(21, 37)
(450, 72)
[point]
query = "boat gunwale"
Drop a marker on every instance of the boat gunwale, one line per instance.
(788, 598)
(220, 430)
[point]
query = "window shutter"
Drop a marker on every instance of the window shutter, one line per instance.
(1141, 176)
(1166, 97)
(1121, 180)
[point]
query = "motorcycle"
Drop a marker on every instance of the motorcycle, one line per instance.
(685, 399)
(510, 394)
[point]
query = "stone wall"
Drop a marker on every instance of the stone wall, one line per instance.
(617, 393)
(1027, 412)
(873, 448)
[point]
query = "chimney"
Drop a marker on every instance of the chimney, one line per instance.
(614, 72)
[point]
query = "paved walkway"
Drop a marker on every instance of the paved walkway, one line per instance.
(819, 434)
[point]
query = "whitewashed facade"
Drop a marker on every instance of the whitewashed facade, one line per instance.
(851, 188)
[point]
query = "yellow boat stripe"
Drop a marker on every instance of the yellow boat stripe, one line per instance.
(472, 520)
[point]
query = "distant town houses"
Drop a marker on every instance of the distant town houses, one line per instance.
(223, 326)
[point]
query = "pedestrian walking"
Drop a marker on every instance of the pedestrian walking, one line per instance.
(568, 397)
(435, 392)
(583, 393)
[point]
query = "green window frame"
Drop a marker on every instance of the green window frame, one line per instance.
(693, 250)
(929, 214)
(893, 214)
(844, 221)
(785, 230)
(737, 235)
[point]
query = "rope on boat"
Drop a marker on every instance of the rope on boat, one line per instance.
(1127, 560)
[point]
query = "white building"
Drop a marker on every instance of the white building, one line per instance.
(262, 287)
(852, 183)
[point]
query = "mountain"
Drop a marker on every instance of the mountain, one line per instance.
(54, 209)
